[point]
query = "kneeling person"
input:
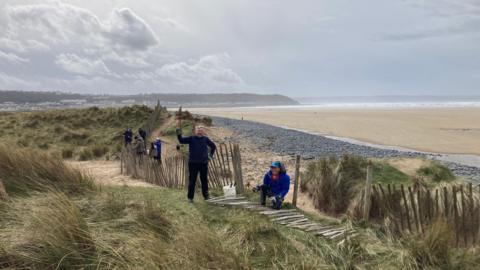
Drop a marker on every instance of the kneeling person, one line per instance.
(276, 184)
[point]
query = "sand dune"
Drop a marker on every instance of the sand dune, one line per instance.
(440, 130)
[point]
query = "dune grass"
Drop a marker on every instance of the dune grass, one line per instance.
(68, 132)
(25, 170)
(436, 172)
(156, 228)
(333, 183)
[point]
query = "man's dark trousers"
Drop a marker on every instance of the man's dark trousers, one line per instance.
(194, 169)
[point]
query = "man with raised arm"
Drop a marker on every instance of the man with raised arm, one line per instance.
(199, 155)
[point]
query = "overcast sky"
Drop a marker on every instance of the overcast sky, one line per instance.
(297, 48)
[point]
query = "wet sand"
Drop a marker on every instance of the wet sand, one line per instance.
(438, 130)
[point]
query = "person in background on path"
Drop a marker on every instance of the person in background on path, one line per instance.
(127, 136)
(157, 150)
(139, 147)
(276, 184)
(143, 134)
(199, 156)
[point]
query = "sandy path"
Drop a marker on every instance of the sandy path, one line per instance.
(440, 130)
(107, 173)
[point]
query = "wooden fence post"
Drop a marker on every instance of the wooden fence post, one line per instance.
(455, 213)
(121, 161)
(414, 208)
(405, 204)
(368, 192)
(471, 213)
(464, 228)
(297, 178)
(238, 170)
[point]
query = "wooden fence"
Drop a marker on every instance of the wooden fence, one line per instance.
(414, 209)
(224, 169)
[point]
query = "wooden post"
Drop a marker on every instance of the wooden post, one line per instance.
(446, 209)
(368, 192)
(464, 227)
(297, 178)
(238, 165)
(227, 158)
(239, 156)
(414, 208)
(393, 206)
(406, 208)
(455, 213)
(224, 167)
(472, 226)
(121, 162)
(428, 201)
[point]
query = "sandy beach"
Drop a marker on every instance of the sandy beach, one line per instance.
(438, 130)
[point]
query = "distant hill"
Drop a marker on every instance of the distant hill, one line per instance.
(240, 99)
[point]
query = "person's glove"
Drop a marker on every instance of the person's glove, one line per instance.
(256, 188)
(178, 131)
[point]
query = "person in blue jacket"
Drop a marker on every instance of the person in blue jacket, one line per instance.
(198, 159)
(128, 136)
(276, 184)
(157, 148)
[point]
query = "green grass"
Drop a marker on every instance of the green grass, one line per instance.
(436, 172)
(334, 183)
(384, 173)
(156, 228)
(25, 170)
(59, 131)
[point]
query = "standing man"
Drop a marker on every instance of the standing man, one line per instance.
(198, 159)
(143, 134)
(127, 136)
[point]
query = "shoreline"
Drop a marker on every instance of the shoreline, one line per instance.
(289, 141)
(441, 130)
(463, 159)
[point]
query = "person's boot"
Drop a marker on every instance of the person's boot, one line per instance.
(190, 200)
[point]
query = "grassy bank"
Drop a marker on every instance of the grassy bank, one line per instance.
(155, 228)
(73, 133)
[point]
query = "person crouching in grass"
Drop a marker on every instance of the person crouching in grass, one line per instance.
(198, 159)
(276, 184)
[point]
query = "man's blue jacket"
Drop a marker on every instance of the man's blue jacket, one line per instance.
(279, 187)
(198, 148)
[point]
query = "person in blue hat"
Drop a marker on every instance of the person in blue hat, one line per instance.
(276, 184)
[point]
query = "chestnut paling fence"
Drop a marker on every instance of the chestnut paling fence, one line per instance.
(413, 209)
(172, 171)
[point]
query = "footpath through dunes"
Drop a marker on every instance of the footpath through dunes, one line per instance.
(291, 142)
(107, 173)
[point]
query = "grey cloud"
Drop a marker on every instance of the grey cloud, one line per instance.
(128, 29)
(12, 58)
(66, 24)
(208, 69)
(465, 28)
(75, 64)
